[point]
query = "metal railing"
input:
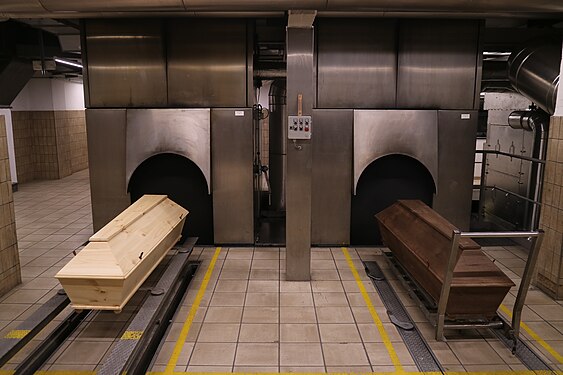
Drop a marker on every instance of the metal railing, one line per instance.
(514, 330)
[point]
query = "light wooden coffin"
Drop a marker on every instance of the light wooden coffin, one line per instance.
(420, 240)
(119, 257)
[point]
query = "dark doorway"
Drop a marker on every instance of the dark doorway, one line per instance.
(184, 183)
(382, 183)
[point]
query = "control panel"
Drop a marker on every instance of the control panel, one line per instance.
(299, 127)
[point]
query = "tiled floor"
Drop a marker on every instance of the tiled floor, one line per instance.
(249, 319)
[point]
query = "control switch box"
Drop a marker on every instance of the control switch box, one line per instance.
(299, 127)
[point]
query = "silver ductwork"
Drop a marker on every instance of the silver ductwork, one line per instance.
(278, 143)
(534, 73)
(89, 8)
(527, 120)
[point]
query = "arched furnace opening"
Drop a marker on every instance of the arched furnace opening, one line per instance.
(382, 183)
(184, 183)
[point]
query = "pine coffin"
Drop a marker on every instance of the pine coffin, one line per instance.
(121, 255)
(420, 239)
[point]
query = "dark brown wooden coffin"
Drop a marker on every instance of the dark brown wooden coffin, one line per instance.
(420, 239)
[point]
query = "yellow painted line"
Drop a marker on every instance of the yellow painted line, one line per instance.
(17, 334)
(375, 317)
(132, 335)
(535, 336)
(189, 320)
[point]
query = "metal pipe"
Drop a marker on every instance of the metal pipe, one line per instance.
(526, 120)
(270, 73)
(534, 73)
(512, 234)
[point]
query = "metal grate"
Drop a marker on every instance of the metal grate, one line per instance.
(418, 347)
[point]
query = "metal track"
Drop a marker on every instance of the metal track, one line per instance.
(25, 331)
(419, 349)
(136, 348)
(523, 352)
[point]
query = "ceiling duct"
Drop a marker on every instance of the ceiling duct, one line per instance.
(19, 46)
(534, 73)
(440, 8)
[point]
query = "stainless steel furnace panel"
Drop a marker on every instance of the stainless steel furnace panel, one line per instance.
(438, 64)
(356, 63)
(207, 62)
(185, 132)
(332, 176)
(125, 62)
(384, 132)
(106, 158)
(457, 132)
(232, 158)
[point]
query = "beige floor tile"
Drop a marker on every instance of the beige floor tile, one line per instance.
(296, 299)
(345, 355)
(214, 354)
(257, 314)
(228, 299)
(223, 315)
(475, 353)
(25, 296)
(341, 333)
(299, 333)
(234, 274)
(237, 264)
(256, 369)
(265, 264)
(330, 299)
(327, 286)
(350, 369)
(10, 311)
(165, 353)
(297, 314)
(319, 264)
(549, 312)
(544, 330)
(268, 333)
(295, 287)
(334, 314)
(379, 355)
(235, 253)
(267, 255)
(214, 369)
(259, 274)
(218, 332)
(487, 368)
(370, 333)
(83, 353)
(321, 254)
(357, 299)
(228, 286)
(257, 354)
(262, 299)
(261, 286)
(301, 354)
(322, 275)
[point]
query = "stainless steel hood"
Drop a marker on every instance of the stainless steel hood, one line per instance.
(98, 8)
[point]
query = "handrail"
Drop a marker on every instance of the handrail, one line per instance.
(512, 193)
(502, 153)
(536, 238)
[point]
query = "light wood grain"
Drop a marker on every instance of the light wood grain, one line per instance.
(119, 258)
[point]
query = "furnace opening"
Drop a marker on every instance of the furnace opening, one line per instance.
(184, 183)
(382, 183)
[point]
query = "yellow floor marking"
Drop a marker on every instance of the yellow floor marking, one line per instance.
(188, 323)
(376, 320)
(501, 372)
(535, 336)
(132, 335)
(17, 334)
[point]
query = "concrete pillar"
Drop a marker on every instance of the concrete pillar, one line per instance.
(10, 271)
(550, 260)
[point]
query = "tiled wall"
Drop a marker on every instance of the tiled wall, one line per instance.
(10, 273)
(550, 261)
(49, 144)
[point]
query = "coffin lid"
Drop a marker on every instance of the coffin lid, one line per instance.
(120, 246)
(433, 219)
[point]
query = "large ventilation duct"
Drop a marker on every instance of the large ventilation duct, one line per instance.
(534, 73)
(93, 8)
(19, 45)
